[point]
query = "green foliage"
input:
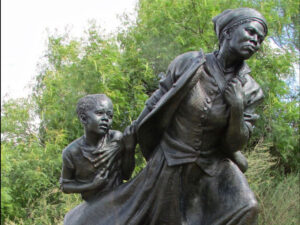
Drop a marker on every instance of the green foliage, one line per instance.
(278, 195)
(126, 68)
(279, 201)
(48, 209)
(72, 69)
(24, 172)
(7, 207)
(261, 162)
(165, 29)
(77, 68)
(279, 122)
(17, 123)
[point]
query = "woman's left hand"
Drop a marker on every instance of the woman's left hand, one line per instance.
(233, 93)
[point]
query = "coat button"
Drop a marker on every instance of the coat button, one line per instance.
(205, 108)
(208, 100)
(211, 92)
(198, 143)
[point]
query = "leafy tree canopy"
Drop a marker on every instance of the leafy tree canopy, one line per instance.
(126, 67)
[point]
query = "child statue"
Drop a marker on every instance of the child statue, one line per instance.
(97, 161)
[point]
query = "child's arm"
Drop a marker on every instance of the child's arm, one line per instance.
(72, 186)
(68, 183)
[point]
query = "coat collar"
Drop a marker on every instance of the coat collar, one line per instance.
(214, 68)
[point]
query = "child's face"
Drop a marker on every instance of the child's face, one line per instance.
(99, 119)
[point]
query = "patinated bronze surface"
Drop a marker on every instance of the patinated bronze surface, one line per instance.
(191, 132)
(96, 162)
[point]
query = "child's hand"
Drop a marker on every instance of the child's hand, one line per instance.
(100, 179)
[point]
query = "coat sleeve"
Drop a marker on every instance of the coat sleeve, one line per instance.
(253, 97)
(130, 133)
(176, 68)
(164, 86)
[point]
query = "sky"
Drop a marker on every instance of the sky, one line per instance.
(24, 27)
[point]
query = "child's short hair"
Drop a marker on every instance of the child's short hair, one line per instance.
(88, 102)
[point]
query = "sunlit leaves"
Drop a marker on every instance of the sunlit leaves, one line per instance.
(165, 29)
(126, 68)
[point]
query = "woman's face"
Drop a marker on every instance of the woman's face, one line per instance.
(246, 39)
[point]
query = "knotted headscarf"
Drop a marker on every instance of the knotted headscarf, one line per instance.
(233, 17)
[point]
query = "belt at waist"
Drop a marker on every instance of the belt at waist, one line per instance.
(177, 153)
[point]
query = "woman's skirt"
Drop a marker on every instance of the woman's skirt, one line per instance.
(173, 195)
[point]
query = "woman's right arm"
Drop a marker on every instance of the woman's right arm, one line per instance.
(129, 135)
(176, 68)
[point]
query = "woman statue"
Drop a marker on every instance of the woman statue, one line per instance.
(190, 132)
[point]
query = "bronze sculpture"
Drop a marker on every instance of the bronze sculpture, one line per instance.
(97, 161)
(190, 132)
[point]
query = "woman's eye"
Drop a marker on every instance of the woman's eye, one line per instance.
(250, 31)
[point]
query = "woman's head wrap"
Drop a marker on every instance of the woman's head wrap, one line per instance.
(234, 17)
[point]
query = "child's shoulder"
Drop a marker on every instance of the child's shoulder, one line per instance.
(115, 135)
(73, 147)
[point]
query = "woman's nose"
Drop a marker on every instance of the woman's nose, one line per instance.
(254, 39)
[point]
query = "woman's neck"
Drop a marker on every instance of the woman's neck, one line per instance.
(227, 59)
